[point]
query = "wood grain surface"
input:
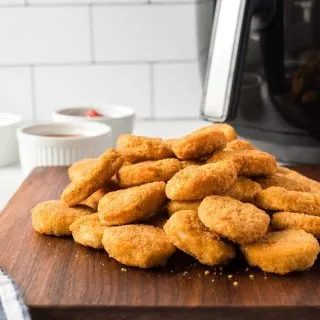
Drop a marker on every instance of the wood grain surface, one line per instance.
(63, 280)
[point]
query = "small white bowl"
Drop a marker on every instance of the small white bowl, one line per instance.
(119, 118)
(61, 144)
(8, 139)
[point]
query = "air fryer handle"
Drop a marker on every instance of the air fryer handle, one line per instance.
(272, 51)
(229, 39)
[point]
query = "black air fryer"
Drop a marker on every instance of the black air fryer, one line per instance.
(262, 75)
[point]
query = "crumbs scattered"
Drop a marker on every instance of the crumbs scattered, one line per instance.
(230, 276)
(207, 272)
(251, 276)
(171, 271)
(246, 270)
(49, 243)
(77, 256)
(185, 273)
(235, 283)
(123, 270)
(212, 280)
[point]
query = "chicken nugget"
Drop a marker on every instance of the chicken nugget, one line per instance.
(280, 199)
(137, 245)
(199, 143)
(138, 148)
(197, 182)
(53, 217)
(79, 168)
(243, 189)
(293, 220)
(283, 251)
(300, 178)
(88, 231)
(132, 204)
(249, 162)
(227, 130)
(148, 171)
(94, 199)
(175, 205)
(187, 233)
(107, 165)
(239, 222)
(239, 145)
(279, 180)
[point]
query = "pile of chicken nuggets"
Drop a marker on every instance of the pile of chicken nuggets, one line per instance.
(207, 194)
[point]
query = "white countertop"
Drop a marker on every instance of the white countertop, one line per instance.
(11, 177)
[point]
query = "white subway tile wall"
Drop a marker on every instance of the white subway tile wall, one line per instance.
(141, 53)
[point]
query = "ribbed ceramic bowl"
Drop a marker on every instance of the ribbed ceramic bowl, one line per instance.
(119, 118)
(61, 144)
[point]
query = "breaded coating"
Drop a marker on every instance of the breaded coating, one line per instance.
(187, 233)
(107, 165)
(293, 220)
(79, 168)
(187, 163)
(148, 171)
(249, 162)
(197, 182)
(279, 180)
(199, 143)
(279, 199)
(227, 129)
(239, 145)
(138, 148)
(298, 177)
(176, 205)
(88, 231)
(94, 199)
(239, 222)
(283, 251)
(243, 189)
(53, 217)
(137, 245)
(132, 204)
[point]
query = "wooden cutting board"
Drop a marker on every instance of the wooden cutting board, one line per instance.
(63, 280)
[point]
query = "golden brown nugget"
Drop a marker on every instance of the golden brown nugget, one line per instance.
(279, 180)
(54, 217)
(137, 245)
(132, 204)
(289, 173)
(283, 251)
(239, 145)
(107, 165)
(187, 233)
(198, 144)
(239, 222)
(148, 171)
(249, 162)
(79, 168)
(88, 231)
(138, 148)
(94, 199)
(227, 130)
(293, 220)
(175, 205)
(197, 182)
(280, 199)
(243, 189)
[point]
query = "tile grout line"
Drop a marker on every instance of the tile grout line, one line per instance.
(33, 93)
(91, 35)
(152, 97)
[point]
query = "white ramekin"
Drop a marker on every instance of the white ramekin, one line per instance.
(38, 150)
(8, 139)
(119, 118)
